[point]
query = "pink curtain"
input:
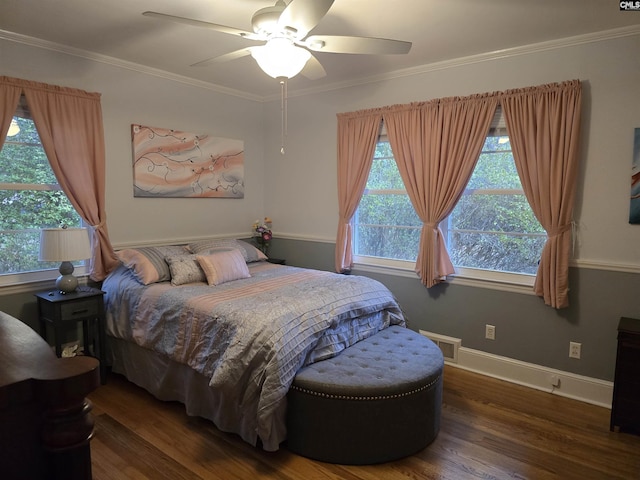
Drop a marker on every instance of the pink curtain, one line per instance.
(544, 126)
(436, 146)
(69, 123)
(357, 137)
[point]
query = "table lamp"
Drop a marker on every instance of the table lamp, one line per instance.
(64, 245)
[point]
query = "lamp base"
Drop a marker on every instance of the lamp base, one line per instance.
(66, 282)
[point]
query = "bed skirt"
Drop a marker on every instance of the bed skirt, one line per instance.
(166, 380)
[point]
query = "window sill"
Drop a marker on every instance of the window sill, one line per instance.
(36, 281)
(508, 282)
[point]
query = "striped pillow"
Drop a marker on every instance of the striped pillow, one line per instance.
(249, 252)
(222, 267)
(148, 264)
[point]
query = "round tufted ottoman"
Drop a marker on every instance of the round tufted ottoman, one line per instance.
(378, 400)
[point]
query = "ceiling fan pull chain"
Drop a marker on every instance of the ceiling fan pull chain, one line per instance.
(283, 111)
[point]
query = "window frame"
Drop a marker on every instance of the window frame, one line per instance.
(81, 269)
(501, 280)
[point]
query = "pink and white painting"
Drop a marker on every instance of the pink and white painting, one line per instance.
(634, 212)
(171, 163)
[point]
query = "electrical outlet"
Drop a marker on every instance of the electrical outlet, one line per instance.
(575, 349)
(490, 332)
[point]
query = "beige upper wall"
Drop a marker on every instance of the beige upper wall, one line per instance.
(610, 71)
(298, 190)
(130, 97)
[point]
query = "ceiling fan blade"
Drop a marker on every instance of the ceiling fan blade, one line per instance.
(361, 45)
(313, 69)
(200, 23)
(243, 52)
(303, 15)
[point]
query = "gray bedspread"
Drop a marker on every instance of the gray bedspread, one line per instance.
(250, 336)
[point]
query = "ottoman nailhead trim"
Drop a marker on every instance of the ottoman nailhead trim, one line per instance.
(364, 398)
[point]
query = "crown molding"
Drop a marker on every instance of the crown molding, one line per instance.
(407, 72)
(472, 59)
(116, 62)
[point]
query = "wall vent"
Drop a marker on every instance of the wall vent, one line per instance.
(448, 345)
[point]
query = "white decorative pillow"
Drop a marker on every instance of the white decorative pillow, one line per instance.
(224, 266)
(148, 264)
(185, 269)
(249, 252)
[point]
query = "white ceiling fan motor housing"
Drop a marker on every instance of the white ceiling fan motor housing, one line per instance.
(265, 20)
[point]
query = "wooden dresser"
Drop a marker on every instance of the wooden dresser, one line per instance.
(625, 410)
(45, 420)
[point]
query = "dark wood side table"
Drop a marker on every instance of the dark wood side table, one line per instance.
(625, 409)
(85, 305)
(278, 261)
(45, 419)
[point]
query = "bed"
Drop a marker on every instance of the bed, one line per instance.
(217, 327)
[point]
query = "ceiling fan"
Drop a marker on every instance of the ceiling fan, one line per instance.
(287, 51)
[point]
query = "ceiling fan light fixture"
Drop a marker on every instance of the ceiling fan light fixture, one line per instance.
(281, 58)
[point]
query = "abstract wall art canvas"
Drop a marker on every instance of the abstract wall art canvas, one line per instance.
(171, 163)
(634, 211)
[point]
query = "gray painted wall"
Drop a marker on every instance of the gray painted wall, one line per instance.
(526, 329)
(21, 305)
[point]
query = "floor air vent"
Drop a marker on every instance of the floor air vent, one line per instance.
(448, 345)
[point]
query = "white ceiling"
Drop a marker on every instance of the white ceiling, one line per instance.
(440, 30)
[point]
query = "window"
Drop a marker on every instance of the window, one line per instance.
(386, 225)
(492, 228)
(30, 199)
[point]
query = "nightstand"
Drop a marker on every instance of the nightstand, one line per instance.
(278, 261)
(85, 305)
(625, 409)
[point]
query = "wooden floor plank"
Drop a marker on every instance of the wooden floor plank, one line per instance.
(140, 458)
(490, 429)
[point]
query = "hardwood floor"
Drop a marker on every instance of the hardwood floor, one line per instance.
(490, 430)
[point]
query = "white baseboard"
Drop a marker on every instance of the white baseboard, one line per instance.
(578, 387)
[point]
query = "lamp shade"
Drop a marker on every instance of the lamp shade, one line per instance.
(14, 128)
(64, 244)
(280, 58)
